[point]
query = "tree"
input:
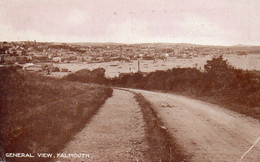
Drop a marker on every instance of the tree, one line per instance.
(219, 72)
(55, 69)
(217, 65)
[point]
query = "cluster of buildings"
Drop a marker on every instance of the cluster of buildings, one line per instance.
(28, 54)
(22, 52)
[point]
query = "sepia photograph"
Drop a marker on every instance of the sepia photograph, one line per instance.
(129, 81)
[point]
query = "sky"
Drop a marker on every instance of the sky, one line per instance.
(211, 22)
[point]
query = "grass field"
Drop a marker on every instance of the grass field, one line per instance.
(40, 114)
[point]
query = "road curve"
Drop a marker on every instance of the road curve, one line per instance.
(207, 132)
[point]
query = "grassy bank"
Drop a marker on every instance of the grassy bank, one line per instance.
(163, 146)
(40, 114)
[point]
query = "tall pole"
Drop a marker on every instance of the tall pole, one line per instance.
(139, 66)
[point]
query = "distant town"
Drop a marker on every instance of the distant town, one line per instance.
(55, 58)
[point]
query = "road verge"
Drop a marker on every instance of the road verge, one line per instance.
(163, 146)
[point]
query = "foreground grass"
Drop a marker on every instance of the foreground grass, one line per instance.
(40, 114)
(163, 146)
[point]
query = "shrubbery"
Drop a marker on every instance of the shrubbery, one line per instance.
(87, 76)
(219, 81)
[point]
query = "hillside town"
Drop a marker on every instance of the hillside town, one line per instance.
(39, 56)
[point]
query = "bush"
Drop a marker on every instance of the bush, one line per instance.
(220, 81)
(87, 76)
(55, 69)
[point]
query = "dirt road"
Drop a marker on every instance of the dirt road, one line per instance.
(206, 131)
(115, 133)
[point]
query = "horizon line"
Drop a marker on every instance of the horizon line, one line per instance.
(105, 42)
